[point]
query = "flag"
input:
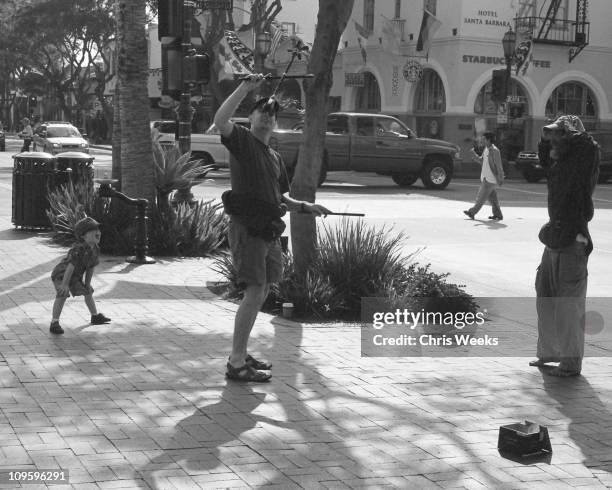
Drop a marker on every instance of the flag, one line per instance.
(362, 31)
(429, 26)
(278, 36)
(391, 37)
(234, 57)
(523, 54)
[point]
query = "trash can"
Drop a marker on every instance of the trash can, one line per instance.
(33, 172)
(81, 169)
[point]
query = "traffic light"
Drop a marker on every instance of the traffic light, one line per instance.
(169, 18)
(171, 69)
(498, 85)
(196, 68)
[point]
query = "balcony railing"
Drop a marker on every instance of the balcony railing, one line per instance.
(555, 31)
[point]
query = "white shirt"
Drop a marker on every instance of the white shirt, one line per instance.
(486, 173)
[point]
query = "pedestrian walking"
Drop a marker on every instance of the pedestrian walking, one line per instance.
(257, 200)
(27, 134)
(74, 273)
(570, 157)
(491, 177)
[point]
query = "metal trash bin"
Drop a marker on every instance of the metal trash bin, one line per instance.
(81, 169)
(33, 173)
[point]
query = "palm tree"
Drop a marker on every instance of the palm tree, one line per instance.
(137, 172)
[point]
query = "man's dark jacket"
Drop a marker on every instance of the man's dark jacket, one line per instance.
(571, 182)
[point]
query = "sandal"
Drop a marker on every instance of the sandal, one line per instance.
(246, 373)
(539, 362)
(259, 365)
(562, 373)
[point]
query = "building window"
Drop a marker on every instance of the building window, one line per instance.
(368, 96)
(368, 15)
(398, 9)
(572, 98)
(289, 28)
(430, 95)
(485, 104)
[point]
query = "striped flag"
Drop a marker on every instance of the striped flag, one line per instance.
(391, 37)
(429, 26)
(278, 36)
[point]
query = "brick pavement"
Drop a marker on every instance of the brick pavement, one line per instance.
(143, 403)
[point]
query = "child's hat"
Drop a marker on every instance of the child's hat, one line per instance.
(85, 225)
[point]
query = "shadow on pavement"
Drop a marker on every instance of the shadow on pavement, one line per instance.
(580, 404)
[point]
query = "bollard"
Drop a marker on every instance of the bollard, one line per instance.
(141, 246)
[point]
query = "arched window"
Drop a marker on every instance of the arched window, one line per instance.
(368, 96)
(485, 104)
(572, 98)
(430, 95)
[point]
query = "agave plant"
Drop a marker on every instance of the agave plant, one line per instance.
(175, 172)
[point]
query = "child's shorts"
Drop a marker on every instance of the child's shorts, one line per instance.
(77, 288)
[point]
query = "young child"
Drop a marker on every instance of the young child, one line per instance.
(67, 276)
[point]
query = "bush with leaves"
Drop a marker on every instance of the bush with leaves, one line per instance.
(67, 205)
(197, 230)
(355, 261)
(190, 230)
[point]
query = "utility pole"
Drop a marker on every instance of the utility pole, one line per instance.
(185, 111)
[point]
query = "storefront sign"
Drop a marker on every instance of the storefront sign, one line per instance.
(413, 70)
(488, 18)
(498, 60)
(395, 81)
(354, 79)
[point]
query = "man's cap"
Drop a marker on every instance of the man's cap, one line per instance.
(85, 225)
(263, 102)
(567, 123)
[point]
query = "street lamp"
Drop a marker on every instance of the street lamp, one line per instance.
(509, 44)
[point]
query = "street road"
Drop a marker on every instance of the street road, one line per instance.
(490, 258)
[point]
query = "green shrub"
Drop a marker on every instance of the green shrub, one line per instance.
(197, 230)
(355, 261)
(194, 231)
(361, 261)
(67, 205)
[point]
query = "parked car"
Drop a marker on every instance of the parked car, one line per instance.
(208, 148)
(57, 137)
(365, 142)
(2, 140)
(528, 162)
(167, 131)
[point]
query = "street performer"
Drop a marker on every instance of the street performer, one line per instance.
(571, 159)
(257, 201)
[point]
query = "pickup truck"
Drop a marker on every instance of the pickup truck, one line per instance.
(375, 143)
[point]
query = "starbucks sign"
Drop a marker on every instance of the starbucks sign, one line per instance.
(413, 70)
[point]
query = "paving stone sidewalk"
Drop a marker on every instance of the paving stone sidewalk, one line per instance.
(143, 402)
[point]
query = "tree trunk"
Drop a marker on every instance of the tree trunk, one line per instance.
(137, 174)
(331, 22)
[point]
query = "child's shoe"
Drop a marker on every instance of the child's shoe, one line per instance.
(56, 328)
(99, 319)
